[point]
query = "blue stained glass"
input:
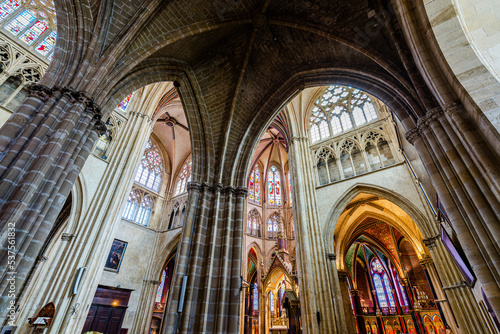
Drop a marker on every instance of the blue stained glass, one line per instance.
(7, 7)
(159, 292)
(47, 44)
(255, 298)
(379, 289)
(271, 300)
(389, 291)
(20, 22)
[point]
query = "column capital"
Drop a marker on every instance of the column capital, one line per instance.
(331, 256)
(426, 262)
(430, 116)
(412, 135)
(299, 138)
(194, 187)
(41, 92)
(453, 107)
(431, 241)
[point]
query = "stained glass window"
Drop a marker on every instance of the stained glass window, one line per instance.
(184, 178)
(123, 105)
(254, 223)
(274, 186)
(47, 44)
(159, 291)
(389, 290)
(255, 298)
(150, 168)
(377, 266)
(103, 142)
(32, 34)
(379, 289)
(132, 204)
(290, 188)
(272, 226)
(20, 22)
(139, 207)
(403, 294)
(338, 109)
(7, 7)
(271, 301)
(254, 185)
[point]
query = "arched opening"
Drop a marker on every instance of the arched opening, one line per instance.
(382, 253)
(162, 294)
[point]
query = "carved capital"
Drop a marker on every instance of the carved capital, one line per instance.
(431, 241)
(451, 108)
(426, 261)
(41, 92)
(431, 116)
(68, 237)
(331, 256)
(194, 187)
(412, 134)
(241, 191)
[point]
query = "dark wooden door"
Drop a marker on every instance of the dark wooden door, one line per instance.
(107, 311)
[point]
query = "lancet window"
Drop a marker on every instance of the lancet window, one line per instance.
(340, 109)
(124, 104)
(150, 168)
(254, 223)
(274, 186)
(255, 300)
(139, 207)
(140, 203)
(272, 226)
(254, 185)
(382, 285)
(357, 154)
(183, 178)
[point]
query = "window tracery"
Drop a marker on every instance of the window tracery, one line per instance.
(382, 285)
(340, 109)
(124, 103)
(274, 186)
(272, 226)
(184, 178)
(254, 185)
(34, 21)
(361, 152)
(254, 223)
(150, 168)
(139, 207)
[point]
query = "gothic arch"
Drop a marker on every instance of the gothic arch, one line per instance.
(257, 248)
(396, 95)
(421, 220)
(166, 253)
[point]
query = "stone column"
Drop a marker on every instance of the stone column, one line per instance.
(314, 281)
(460, 303)
(340, 301)
(209, 263)
(92, 233)
(43, 147)
(349, 316)
(470, 203)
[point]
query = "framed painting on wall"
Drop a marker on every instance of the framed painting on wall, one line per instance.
(115, 256)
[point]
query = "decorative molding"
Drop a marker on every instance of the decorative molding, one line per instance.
(431, 241)
(430, 116)
(453, 107)
(331, 256)
(194, 187)
(42, 258)
(41, 92)
(412, 135)
(68, 237)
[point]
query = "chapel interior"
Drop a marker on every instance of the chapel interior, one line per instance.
(250, 166)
